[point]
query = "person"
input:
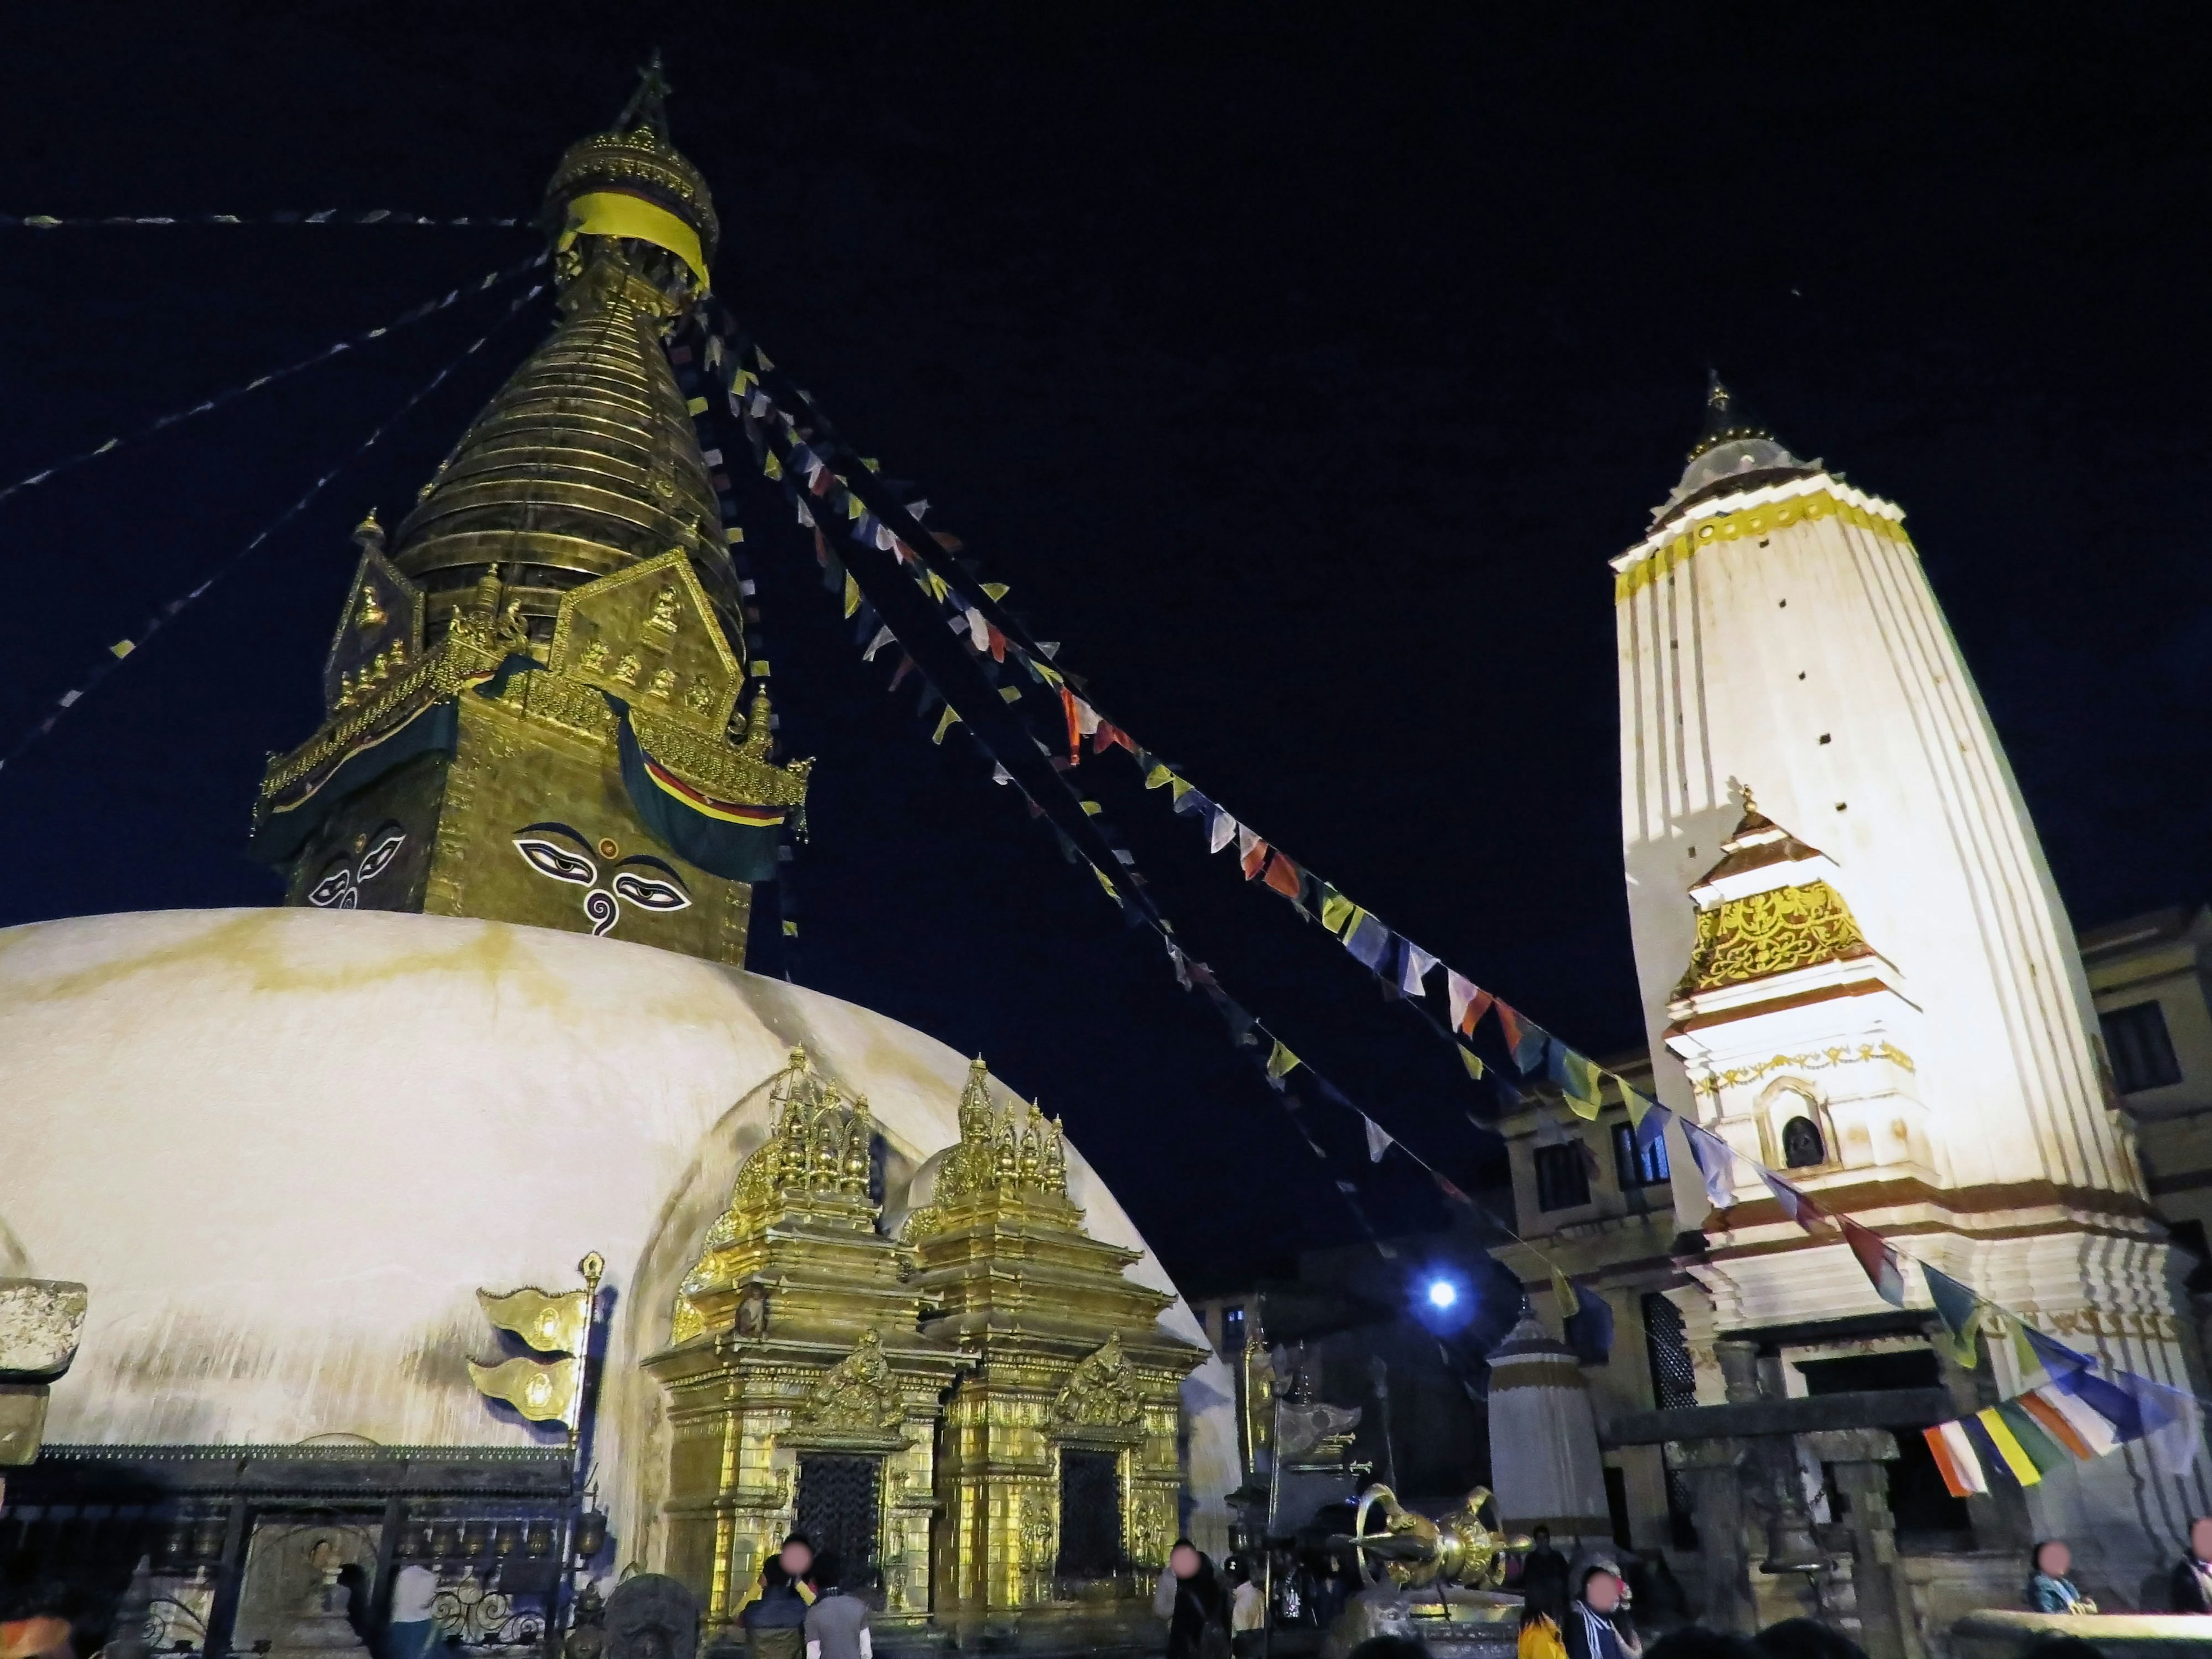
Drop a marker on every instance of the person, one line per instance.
(2191, 1591)
(1189, 1596)
(410, 1631)
(1544, 1575)
(773, 1622)
(797, 1559)
(2049, 1589)
(837, 1624)
(1539, 1635)
(1596, 1625)
(1248, 1608)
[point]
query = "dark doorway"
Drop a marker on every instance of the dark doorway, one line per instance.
(837, 1511)
(1090, 1514)
(1925, 1510)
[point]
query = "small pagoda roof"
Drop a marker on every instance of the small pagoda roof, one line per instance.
(1735, 451)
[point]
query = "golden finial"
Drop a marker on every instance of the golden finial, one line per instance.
(796, 1058)
(368, 533)
(1750, 806)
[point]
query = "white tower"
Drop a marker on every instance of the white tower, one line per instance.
(1872, 971)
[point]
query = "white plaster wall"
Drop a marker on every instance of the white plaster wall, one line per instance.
(285, 1147)
(1938, 859)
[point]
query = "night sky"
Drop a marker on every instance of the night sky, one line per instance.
(1300, 373)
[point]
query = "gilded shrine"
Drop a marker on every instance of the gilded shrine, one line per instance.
(968, 1399)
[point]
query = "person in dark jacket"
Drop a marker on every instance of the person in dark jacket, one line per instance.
(1594, 1628)
(1190, 1598)
(2191, 1588)
(1544, 1576)
(775, 1621)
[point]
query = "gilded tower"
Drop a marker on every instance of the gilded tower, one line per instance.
(538, 705)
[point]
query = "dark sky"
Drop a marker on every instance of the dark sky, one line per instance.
(1299, 371)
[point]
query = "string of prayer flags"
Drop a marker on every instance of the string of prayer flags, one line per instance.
(1885, 1269)
(112, 658)
(1956, 1459)
(1960, 1311)
(292, 216)
(231, 394)
(1716, 1161)
(1578, 1077)
(1379, 1140)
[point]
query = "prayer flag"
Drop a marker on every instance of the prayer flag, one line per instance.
(1368, 940)
(2108, 1399)
(1412, 967)
(1472, 1060)
(1336, 910)
(2012, 1457)
(1961, 1312)
(883, 638)
(2048, 1357)
(1074, 725)
(1588, 1327)
(1885, 1269)
(1577, 1078)
(122, 648)
(542, 1390)
(1716, 1161)
(1466, 999)
(1378, 1139)
(1523, 1037)
(2029, 1434)
(2173, 1426)
(1651, 1126)
(851, 594)
(1252, 856)
(1285, 878)
(1157, 777)
(1563, 1299)
(1223, 831)
(2053, 1406)
(1794, 1204)
(1956, 1457)
(1280, 1062)
(945, 722)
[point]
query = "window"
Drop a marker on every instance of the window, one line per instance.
(1562, 1176)
(1801, 1145)
(1638, 1166)
(1090, 1514)
(2143, 1053)
(838, 1509)
(1232, 1330)
(1667, 1345)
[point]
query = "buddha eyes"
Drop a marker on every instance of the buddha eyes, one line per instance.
(335, 889)
(379, 858)
(557, 861)
(646, 892)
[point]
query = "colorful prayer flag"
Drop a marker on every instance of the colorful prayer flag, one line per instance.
(1336, 910)
(1716, 1161)
(1285, 878)
(1369, 941)
(2173, 1425)
(945, 722)
(1885, 1269)
(2061, 1412)
(1578, 1077)
(1960, 1313)
(1221, 832)
(1412, 967)
(1378, 1139)
(1794, 1204)
(1472, 1060)
(1956, 1458)
(1524, 1038)
(1251, 855)
(2012, 1457)
(1638, 1105)
(2028, 1432)
(1468, 1000)
(1280, 1061)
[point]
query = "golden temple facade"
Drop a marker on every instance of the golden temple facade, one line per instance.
(971, 1402)
(539, 703)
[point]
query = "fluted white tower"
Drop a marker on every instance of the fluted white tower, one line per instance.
(1871, 975)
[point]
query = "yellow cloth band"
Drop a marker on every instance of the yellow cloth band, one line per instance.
(610, 213)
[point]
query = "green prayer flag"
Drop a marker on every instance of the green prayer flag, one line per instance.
(1960, 1311)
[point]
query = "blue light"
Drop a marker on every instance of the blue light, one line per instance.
(1443, 1293)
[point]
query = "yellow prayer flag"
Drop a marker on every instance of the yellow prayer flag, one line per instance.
(938, 590)
(1336, 910)
(1179, 787)
(1585, 1109)
(1107, 885)
(997, 590)
(854, 507)
(550, 1324)
(791, 930)
(734, 534)
(1563, 1293)
(543, 1391)
(1637, 1105)
(2009, 1447)
(1281, 1062)
(773, 465)
(1472, 1060)
(945, 722)
(1157, 777)
(122, 648)
(1091, 806)
(851, 594)
(696, 405)
(1011, 693)
(757, 669)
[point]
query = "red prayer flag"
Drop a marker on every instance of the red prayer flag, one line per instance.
(1477, 1005)
(1074, 725)
(997, 643)
(1885, 1269)
(1255, 859)
(1285, 878)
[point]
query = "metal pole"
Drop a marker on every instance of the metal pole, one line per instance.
(592, 1267)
